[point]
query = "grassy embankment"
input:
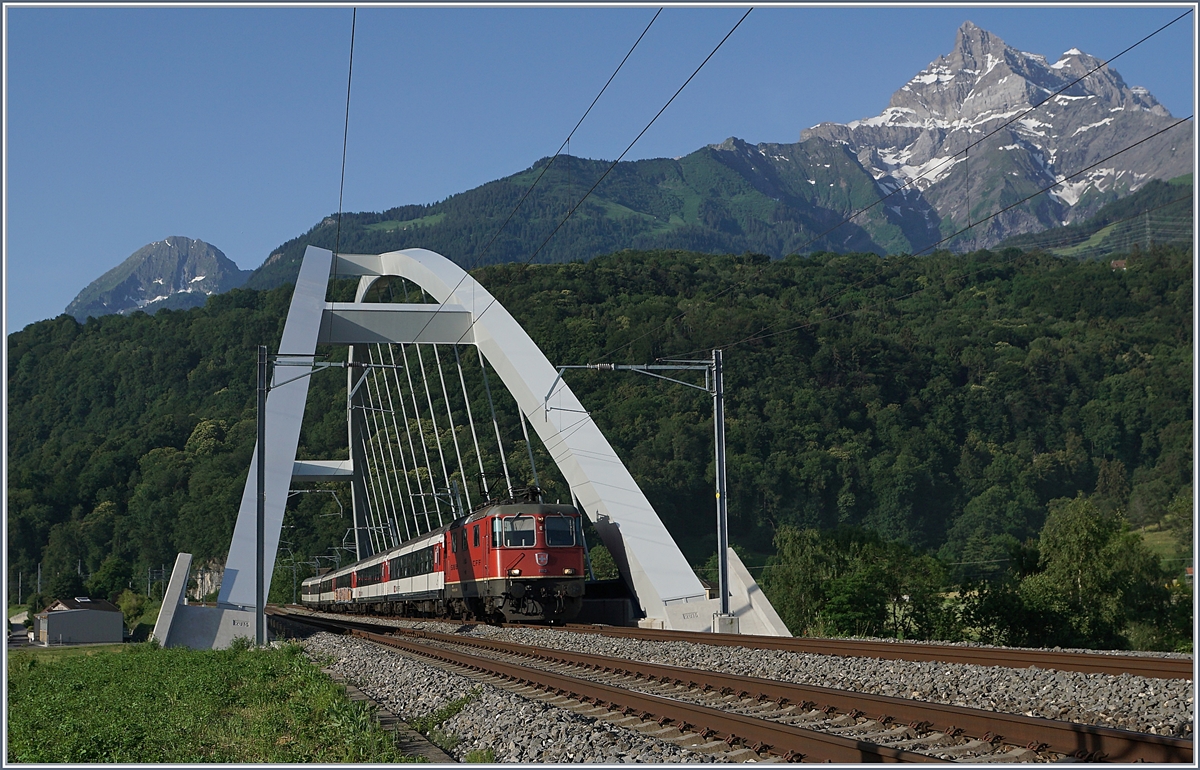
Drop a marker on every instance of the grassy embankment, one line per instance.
(139, 703)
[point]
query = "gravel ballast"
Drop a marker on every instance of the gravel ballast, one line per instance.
(516, 729)
(1159, 706)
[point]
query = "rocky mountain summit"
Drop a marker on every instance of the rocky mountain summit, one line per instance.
(987, 125)
(176, 273)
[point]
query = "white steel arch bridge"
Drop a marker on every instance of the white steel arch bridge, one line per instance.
(390, 504)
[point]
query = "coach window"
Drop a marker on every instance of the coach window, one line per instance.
(560, 530)
(518, 531)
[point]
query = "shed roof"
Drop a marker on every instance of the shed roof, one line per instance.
(83, 603)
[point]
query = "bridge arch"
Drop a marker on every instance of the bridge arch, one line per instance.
(667, 589)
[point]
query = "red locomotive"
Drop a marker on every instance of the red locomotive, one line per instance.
(507, 560)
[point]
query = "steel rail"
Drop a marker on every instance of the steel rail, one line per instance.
(758, 734)
(1067, 738)
(1083, 662)
(792, 743)
(1070, 738)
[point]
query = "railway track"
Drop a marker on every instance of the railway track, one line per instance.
(1083, 662)
(767, 717)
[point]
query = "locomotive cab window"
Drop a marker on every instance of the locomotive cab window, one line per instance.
(560, 530)
(475, 536)
(519, 531)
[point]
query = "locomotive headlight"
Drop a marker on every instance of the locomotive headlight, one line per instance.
(514, 572)
(569, 571)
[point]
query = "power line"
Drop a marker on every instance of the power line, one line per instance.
(1051, 187)
(613, 165)
(758, 336)
(1076, 239)
(995, 131)
(566, 142)
(852, 216)
(345, 137)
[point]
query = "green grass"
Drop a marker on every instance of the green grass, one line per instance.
(1162, 543)
(139, 703)
(56, 654)
(430, 725)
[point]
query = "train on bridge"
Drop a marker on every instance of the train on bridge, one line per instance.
(509, 561)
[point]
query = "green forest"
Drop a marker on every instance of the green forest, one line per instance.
(929, 447)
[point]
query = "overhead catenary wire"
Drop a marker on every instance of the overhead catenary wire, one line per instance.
(566, 143)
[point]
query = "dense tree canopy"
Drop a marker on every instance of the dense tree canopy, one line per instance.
(940, 403)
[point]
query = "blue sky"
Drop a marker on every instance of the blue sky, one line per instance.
(128, 125)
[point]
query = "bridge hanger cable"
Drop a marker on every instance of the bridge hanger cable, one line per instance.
(437, 506)
(613, 165)
(437, 435)
(397, 503)
(411, 509)
(462, 473)
(412, 448)
(855, 214)
(471, 421)
(495, 423)
(378, 439)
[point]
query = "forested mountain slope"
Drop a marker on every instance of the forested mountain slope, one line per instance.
(941, 401)
(986, 143)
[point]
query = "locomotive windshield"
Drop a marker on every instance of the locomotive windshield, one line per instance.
(560, 530)
(518, 531)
